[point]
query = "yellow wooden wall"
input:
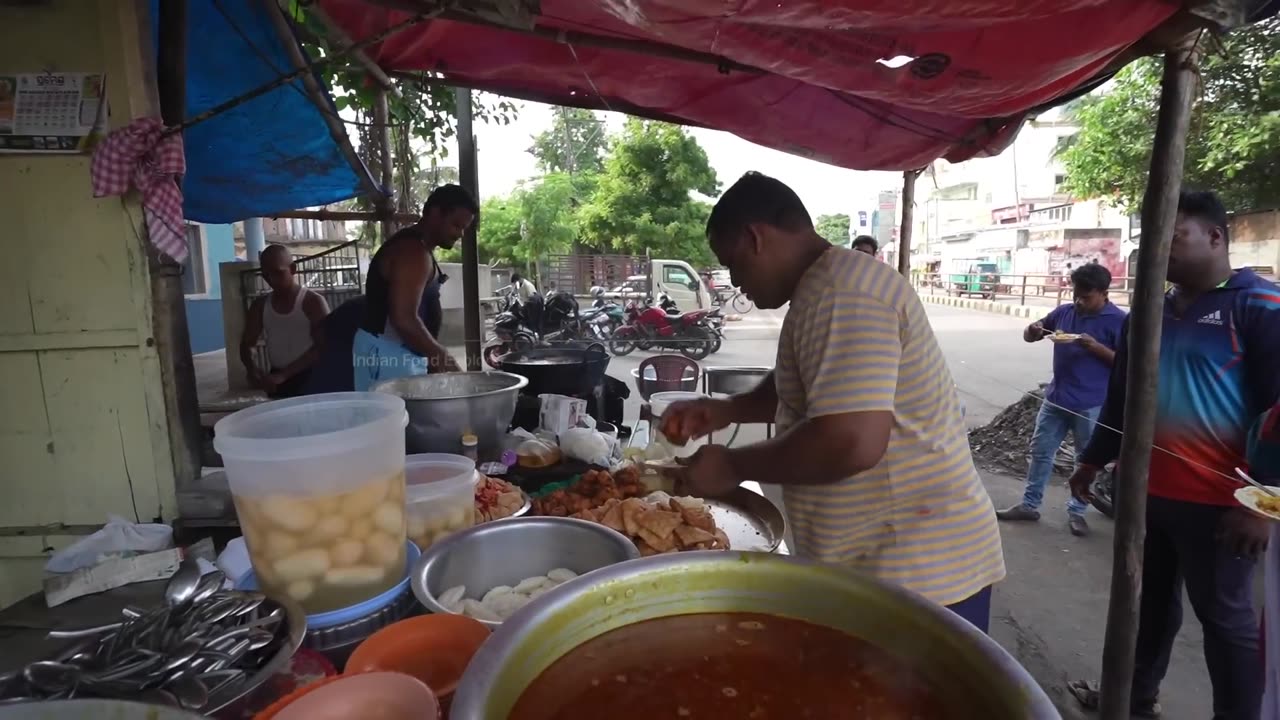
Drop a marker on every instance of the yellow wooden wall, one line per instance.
(82, 419)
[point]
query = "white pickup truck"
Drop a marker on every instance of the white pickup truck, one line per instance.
(675, 278)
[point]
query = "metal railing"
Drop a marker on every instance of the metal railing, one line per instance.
(1031, 289)
(334, 274)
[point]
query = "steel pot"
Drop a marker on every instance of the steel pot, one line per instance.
(968, 668)
(444, 406)
(559, 370)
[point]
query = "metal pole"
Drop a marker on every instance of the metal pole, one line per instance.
(382, 131)
(1159, 206)
(255, 241)
(169, 319)
(469, 175)
(908, 214)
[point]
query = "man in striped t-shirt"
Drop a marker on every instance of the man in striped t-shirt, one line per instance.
(871, 451)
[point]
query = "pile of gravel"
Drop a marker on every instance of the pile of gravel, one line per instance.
(1003, 445)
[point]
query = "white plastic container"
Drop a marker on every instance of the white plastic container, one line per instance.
(658, 404)
(318, 484)
(440, 496)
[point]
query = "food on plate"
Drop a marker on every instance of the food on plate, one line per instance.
(667, 524)
(1267, 503)
(1259, 502)
(1059, 336)
(496, 499)
(499, 603)
(327, 551)
(730, 665)
(591, 491)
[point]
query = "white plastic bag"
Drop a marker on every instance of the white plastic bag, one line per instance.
(587, 445)
(118, 538)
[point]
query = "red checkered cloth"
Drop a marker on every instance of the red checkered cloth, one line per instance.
(139, 157)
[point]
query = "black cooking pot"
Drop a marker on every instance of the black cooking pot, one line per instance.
(559, 370)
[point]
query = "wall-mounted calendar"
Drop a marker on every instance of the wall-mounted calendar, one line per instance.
(51, 112)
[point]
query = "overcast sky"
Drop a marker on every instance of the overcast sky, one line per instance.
(825, 189)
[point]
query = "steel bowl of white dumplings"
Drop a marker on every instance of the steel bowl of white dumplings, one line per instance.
(491, 571)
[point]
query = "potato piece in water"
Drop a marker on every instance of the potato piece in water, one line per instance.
(330, 527)
(290, 513)
(453, 595)
(278, 543)
(364, 499)
(345, 553)
(389, 517)
(360, 528)
(477, 610)
(504, 606)
(528, 585)
(415, 526)
(560, 575)
(302, 565)
(382, 550)
(461, 517)
(300, 589)
(358, 575)
(496, 592)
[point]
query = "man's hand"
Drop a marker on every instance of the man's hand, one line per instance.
(1081, 483)
(1035, 332)
(1244, 533)
(1086, 341)
(708, 474)
(262, 381)
(685, 421)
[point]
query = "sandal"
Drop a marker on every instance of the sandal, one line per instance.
(1090, 698)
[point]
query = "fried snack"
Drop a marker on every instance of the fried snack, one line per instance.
(662, 527)
(496, 499)
(593, 490)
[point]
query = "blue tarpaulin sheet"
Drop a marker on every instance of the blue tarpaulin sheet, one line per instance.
(271, 154)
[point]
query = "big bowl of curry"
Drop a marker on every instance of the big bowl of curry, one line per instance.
(741, 635)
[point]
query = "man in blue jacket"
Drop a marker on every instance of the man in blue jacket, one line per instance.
(1085, 334)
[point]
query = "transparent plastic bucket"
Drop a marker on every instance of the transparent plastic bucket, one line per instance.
(318, 484)
(440, 496)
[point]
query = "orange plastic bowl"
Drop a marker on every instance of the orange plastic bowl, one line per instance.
(384, 695)
(432, 648)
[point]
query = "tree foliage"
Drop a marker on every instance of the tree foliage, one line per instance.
(575, 143)
(643, 201)
(1233, 146)
(835, 228)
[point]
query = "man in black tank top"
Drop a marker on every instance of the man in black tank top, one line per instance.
(404, 269)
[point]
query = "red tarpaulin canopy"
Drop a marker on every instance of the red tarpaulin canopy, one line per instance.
(809, 77)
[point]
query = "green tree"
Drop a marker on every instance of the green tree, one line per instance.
(643, 200)
(1234, 142)
(835, 228)
(575, 143)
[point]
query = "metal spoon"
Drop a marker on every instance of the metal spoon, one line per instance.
(50, 675)
(208, 585)
(190, 692)
(182, 584)
(1250, 481)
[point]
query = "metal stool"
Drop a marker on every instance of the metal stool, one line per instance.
(732, 381)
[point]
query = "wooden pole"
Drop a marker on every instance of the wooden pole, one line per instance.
(382, 131)
(1159, 207)
(908, 217)
(469, 175)
(318, 95)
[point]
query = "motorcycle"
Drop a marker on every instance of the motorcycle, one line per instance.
(648, 326)
(511, 333)
(714, 321)
(601, 319)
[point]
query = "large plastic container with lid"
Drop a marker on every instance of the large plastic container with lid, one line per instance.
(318, 485)
(440, 496)
(658, 404)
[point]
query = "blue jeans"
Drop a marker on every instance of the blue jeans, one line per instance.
(1052, 425)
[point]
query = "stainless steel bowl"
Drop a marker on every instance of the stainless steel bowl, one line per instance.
(968, 668)
(445, 406)
(508, 551)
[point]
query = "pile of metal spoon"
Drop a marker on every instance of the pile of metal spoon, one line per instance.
(204, 639)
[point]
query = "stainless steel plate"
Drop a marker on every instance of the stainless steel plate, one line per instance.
(752, 522)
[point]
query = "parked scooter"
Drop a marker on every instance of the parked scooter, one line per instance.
(649, 326)
(511, 332)
(603, 317)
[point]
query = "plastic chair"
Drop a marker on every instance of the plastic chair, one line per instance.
(670, 373)
(731, 381)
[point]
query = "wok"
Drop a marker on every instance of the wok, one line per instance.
(967, 668)
(559, 370)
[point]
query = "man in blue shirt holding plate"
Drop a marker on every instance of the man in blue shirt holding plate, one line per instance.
(1085, 334)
